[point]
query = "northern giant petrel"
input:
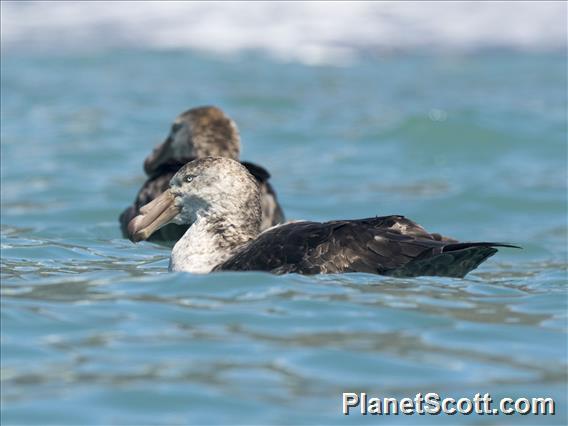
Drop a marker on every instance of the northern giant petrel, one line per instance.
(221, 199)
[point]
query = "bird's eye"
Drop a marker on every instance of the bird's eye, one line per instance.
(188, 179)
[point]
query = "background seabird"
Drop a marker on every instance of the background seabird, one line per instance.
(222, 201)
(197, 133)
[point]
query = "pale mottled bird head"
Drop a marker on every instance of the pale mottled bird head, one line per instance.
(216, 188)
(197, 133)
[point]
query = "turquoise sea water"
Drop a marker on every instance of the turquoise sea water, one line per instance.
(95, 331)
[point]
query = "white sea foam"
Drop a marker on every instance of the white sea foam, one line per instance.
(314, 32)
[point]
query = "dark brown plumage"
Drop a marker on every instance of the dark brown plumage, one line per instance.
(388, 245)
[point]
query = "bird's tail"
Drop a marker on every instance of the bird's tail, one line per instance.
(454, 260)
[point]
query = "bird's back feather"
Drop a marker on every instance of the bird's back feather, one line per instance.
(388, 245)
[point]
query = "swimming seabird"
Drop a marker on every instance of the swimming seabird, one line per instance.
(221, 199)
(197, 133)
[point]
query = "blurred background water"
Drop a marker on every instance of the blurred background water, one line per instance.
(468, 138)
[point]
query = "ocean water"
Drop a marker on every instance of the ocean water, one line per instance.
(94, 330)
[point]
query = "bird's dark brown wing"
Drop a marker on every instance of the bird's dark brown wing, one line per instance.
(272, 213)
(260, 173)
(389, 245)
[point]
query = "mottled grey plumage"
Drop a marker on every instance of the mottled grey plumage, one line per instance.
(197, 133)
(225, 211)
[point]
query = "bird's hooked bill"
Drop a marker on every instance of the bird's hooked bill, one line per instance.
(153, 216)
